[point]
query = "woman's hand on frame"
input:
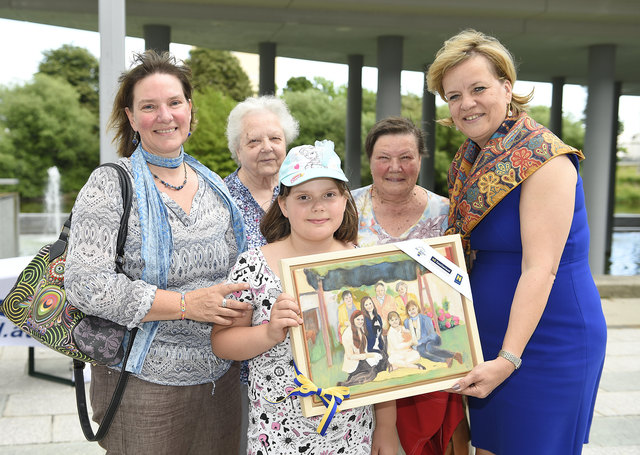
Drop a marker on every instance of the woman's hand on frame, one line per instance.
(484, 378)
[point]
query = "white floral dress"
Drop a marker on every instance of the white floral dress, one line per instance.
(281, 428)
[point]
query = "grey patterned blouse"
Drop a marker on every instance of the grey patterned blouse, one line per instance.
(204, 249)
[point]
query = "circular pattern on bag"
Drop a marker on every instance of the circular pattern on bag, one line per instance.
(56, 269)
(35, 270)
(49, 304)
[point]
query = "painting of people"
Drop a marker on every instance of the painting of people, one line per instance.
(383, 325)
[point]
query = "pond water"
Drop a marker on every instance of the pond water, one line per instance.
(624, 260)
(31, 243)
(625, 253)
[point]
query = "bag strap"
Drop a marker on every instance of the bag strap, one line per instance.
(78, 365)
(127, 191)
(81, 399)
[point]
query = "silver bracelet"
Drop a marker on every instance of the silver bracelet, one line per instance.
(517, 361)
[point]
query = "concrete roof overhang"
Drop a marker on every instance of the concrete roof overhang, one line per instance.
(549, 38)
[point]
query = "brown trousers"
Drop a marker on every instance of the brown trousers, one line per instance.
(182, 420)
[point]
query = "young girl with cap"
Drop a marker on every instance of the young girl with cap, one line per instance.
(314, 213)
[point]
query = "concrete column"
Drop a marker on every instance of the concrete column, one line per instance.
(597, 149)
(353, 135)
(267, 52)
(389, 70)
(9, 224)
(427, 177)
(555, 122)
(157, 37)
(111, 25)
(612, 171)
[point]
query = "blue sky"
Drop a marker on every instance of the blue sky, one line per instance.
(21, 62)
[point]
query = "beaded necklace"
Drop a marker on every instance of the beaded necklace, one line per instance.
(169, 185)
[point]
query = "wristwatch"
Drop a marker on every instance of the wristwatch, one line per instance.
(517, 361)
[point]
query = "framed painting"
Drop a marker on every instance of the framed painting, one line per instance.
(378, 321)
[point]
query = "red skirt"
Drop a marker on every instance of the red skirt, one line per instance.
(426, 422)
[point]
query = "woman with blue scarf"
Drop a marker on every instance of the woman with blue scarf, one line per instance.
(184, 235)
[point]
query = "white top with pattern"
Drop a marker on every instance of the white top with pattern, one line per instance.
(281, 428)
(204, 249)
(432, 223)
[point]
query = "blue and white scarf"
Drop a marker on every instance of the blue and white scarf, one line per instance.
(157, 240)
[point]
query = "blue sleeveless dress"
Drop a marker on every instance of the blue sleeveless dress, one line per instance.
(546, 406)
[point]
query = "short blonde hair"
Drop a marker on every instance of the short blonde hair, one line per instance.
(465, 45)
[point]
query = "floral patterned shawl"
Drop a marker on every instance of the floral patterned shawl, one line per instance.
(480, 178)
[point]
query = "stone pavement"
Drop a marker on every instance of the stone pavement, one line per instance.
(616, 423)
(39, 416)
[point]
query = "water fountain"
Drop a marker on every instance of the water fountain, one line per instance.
(52, 202)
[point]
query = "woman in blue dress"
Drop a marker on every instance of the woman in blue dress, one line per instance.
(518, 203)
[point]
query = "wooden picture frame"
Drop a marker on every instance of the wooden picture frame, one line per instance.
(324, 346)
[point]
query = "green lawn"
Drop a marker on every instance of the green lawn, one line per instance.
(454, 339)
(627, 189)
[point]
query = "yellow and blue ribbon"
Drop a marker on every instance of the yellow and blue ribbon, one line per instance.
(331, 397)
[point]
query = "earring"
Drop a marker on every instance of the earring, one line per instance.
(189, 135)
(134, 140)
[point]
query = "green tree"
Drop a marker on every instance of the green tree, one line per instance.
(572, 130)
(319, 115)
(412, 108)
(298, 84)
(208, 142)
(540, 114)
(321, 111)
(79, 68)
(43, 124)
(368, 120)
(448, 141)
(627, 189)
(369, 99)
(326, 86)
(219, 70)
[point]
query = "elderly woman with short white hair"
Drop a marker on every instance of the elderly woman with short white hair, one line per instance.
(258, 132)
